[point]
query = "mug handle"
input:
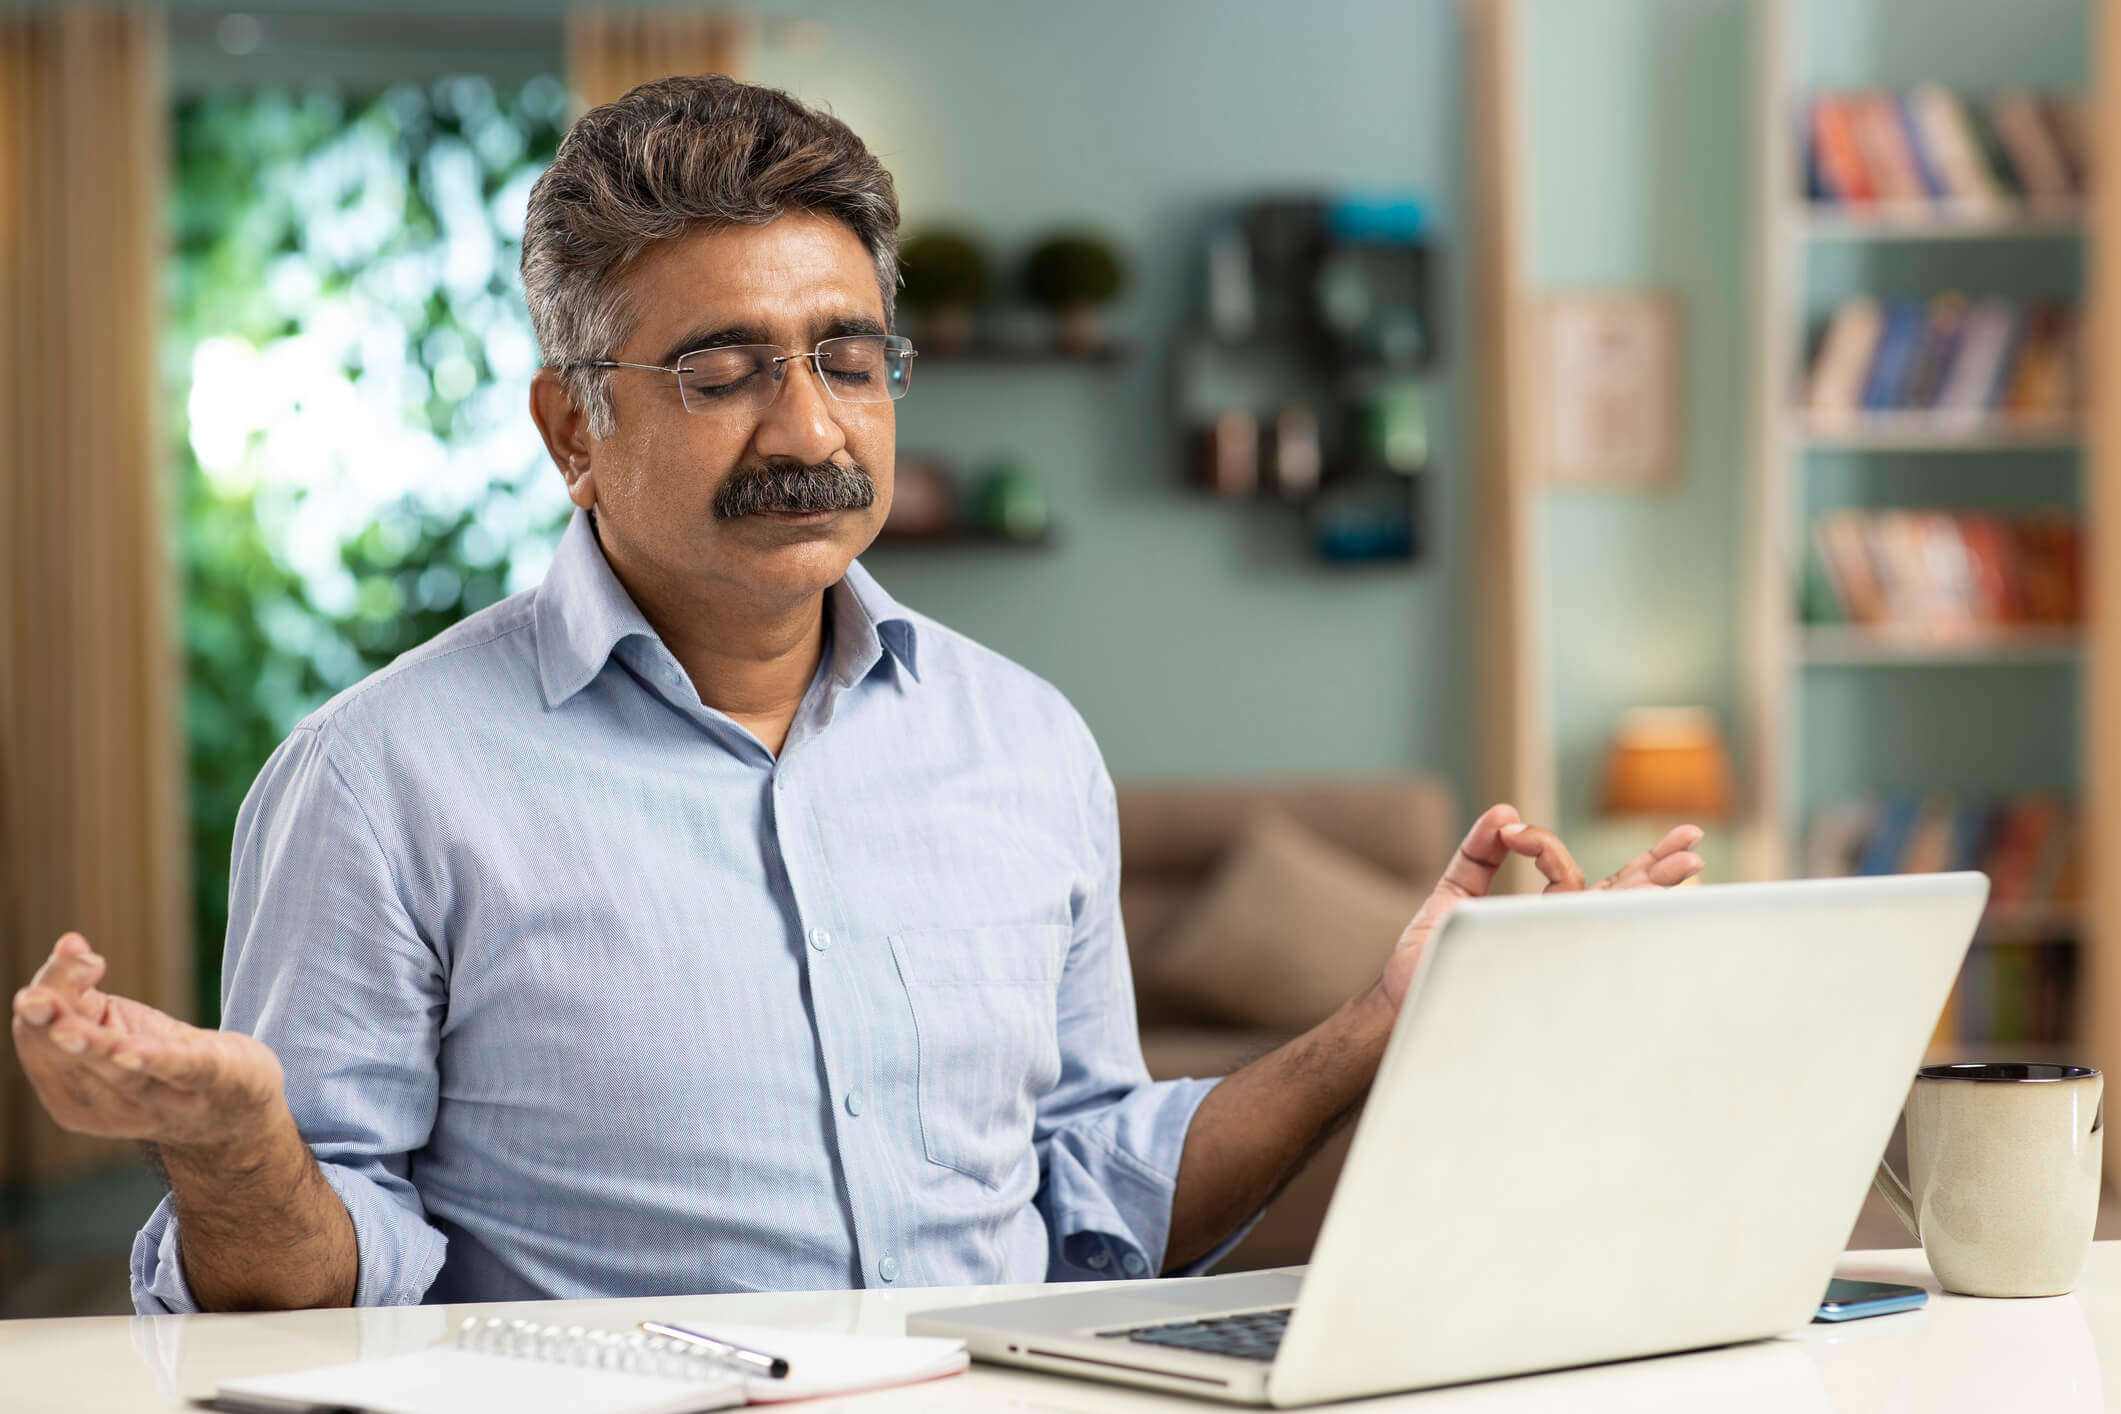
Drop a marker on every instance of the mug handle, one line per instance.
(1896, 1197)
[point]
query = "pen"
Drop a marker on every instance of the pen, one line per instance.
(770, 1365)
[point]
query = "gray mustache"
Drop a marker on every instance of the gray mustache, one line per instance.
(795, 486)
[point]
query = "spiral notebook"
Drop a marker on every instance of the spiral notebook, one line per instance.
(529, 1369)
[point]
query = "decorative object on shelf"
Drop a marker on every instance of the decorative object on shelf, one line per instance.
(1371, 288)
(1074, 275)
(1012, 503)
(1299, 380)
(923, 498)
(1232, 314)
(1367, 520)
(1227, 454)
(945, 278)
(1394, 429)
(1611, 372)
(1294, 463)
(1287, 239)
(1668, 762)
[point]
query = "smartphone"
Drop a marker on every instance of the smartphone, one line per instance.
(1849, 1300)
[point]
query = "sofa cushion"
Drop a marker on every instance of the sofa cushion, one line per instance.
(1289, 927)
(1180, 829)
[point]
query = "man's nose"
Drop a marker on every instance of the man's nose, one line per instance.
(800, 423)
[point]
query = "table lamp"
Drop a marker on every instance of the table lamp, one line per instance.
(1667, 761)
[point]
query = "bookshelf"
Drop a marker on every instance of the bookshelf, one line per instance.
(1827, 221)
(1806, 681)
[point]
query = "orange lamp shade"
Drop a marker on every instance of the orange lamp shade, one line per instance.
(1667, 761)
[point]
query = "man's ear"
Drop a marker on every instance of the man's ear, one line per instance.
(565, 429)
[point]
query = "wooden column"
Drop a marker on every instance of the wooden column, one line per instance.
(2099, 972)
(1514, 707)
(92, 819)
(611, 50)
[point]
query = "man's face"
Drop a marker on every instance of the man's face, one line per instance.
(705, 496)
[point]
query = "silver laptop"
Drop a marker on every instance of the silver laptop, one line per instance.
(1607, 1125)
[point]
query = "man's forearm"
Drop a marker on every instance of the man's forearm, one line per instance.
(259, 1227)
(1255, 1129)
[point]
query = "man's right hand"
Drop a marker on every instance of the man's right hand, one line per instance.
(113, 1067)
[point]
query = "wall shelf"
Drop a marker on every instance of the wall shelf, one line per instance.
(1828, 221)
(1934, 432)
(1853, 645)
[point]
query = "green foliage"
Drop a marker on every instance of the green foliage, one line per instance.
(942, 270)
(1073, 271)
(335, 252)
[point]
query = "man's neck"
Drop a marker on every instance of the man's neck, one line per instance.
(750, 660)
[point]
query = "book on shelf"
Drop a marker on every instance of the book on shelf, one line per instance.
(1931, 150)
(1953, 365)
(1954, 157)
(2019, 994)
(2017, 984)
(1946, 572)
(2026, 843)
(2029, 145)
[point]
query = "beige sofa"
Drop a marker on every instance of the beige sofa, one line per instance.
(1174, 837)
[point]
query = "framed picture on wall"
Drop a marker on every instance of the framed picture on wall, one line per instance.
(1609, 374)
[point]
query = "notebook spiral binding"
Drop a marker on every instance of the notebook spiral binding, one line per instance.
(631, 1351)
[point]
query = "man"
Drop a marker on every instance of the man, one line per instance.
(702, 920)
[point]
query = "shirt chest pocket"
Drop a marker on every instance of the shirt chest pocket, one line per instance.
(983, 1016)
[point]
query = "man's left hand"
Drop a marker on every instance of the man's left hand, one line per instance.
(1499, 834)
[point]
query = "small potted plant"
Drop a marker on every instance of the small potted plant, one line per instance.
(1073, 274)
(944, 278)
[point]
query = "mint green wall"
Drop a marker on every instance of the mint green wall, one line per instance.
(1196, 637)
(1638, 148)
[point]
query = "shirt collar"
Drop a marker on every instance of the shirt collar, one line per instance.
(583, 613)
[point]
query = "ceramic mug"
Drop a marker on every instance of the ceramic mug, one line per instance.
(2004, 1167)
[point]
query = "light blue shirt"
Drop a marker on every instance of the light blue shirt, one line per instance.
(581, 991)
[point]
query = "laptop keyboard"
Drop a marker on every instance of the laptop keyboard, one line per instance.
(1250, 1335)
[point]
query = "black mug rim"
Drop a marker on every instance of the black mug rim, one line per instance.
(2006, 1072)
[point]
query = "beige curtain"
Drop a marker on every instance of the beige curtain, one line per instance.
(611, 50)
(92, 833)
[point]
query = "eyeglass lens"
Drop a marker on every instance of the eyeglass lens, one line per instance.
(859, 368)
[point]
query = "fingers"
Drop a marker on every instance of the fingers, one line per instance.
(1546, 851)
(1674, 870)
(1674, 842)
(65, 984)
(71, 970)
(1481, 852)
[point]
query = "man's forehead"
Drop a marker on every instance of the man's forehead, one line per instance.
(800, 273)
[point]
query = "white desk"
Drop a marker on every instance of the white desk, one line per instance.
(2051, 1356)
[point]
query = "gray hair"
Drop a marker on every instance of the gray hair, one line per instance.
(669, 157)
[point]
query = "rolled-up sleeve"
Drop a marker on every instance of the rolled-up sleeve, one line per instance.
(326, 965)
(1109, 1139)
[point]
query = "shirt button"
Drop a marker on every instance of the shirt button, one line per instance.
(820, 939)
(1134, 1264)
(854, 1102)
(888, 1269)
(1099, 1260)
